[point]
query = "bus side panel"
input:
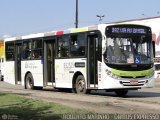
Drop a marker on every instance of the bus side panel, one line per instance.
(2, 68)
(65, 70)
(9, 74)
(35, 67)
(100, 75)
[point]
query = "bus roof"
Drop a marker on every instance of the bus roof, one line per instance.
(52, 33)
(61, 32)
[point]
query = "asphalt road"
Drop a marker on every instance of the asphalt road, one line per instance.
(150, 95)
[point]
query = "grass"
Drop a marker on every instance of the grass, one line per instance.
(17, 107)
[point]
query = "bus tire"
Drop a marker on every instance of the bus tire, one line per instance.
(121, 93)
(29, 82)
(1, 78)
(74, 88)
(80, 85)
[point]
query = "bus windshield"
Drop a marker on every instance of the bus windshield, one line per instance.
(128, 49)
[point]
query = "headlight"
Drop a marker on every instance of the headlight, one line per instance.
(149, 76)
(109, 73)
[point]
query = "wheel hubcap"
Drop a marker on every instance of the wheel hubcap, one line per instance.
(81, 86)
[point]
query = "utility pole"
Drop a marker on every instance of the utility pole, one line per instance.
(76, 22)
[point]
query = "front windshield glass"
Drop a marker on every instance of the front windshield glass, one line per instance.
(129, 50)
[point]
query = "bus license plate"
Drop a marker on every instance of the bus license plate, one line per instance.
(134, 82)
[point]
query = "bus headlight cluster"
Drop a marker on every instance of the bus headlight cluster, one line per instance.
(109, 73)
(149, 76)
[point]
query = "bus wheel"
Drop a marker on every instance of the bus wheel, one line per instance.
(121, 93)
(80, 85)
(29, 81)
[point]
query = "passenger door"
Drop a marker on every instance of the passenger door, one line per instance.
(49, 62)
(18, 49)
(92, 60)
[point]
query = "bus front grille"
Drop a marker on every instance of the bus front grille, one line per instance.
(128, 83)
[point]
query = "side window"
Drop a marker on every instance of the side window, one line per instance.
(37, 48)
(9, 48)
(63, 46)
(78, 44)
(27, 49)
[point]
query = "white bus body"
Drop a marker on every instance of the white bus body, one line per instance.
(86, 71)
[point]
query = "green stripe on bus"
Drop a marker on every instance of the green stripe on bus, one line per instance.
(133, 73)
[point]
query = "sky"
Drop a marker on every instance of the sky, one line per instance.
(23, 17)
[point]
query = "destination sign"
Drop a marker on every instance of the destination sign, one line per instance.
(128, 30)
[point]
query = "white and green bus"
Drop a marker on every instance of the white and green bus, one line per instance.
(101, 57)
